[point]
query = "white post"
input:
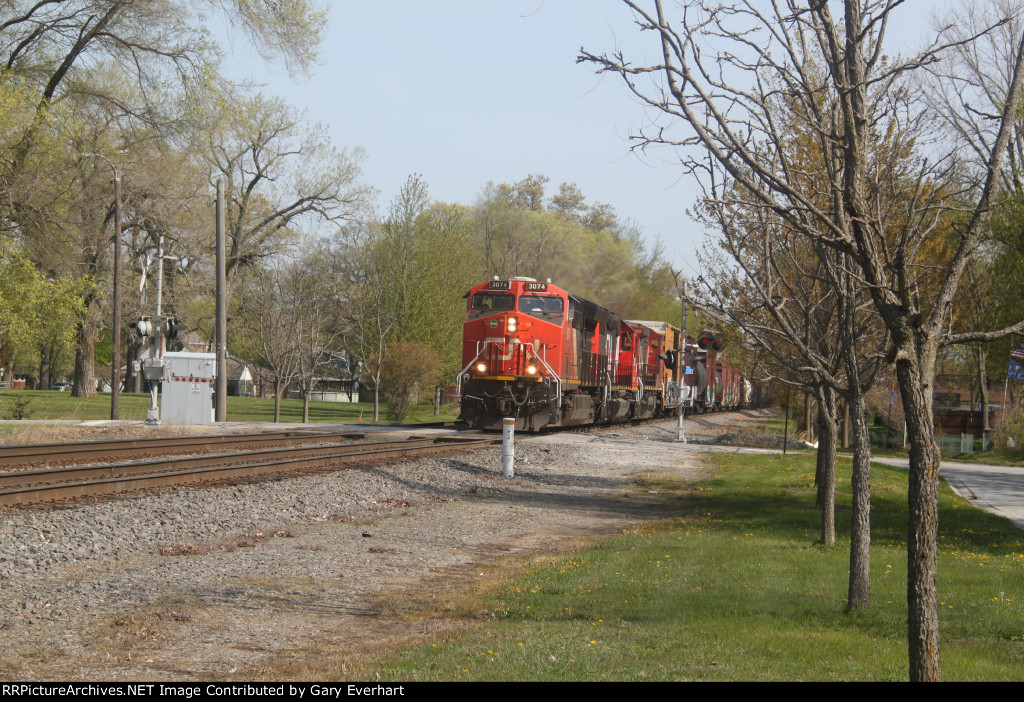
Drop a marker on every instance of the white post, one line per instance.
(508, 446)
(680, 434)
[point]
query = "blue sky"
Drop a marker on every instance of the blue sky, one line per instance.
(469, 91)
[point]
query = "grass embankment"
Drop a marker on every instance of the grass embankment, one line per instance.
(52, 404)
(735, 589)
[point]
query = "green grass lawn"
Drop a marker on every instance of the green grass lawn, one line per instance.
(735, 589)
(52, 404)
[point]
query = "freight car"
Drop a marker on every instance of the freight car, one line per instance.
(537, 353)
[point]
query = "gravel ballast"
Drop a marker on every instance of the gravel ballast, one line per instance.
(191, 583)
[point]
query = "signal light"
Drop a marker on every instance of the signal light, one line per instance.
(708, 339)
(143, 327)
(171, 328)
(669, 357)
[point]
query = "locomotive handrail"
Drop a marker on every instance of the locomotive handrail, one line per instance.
(554, 376)
(558, 381)
(462, 373)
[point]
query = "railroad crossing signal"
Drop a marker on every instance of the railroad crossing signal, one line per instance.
(143, 327)
(171, 328)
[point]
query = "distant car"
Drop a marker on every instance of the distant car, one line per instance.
(63, 387)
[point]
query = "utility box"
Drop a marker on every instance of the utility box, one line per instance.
(186, 394)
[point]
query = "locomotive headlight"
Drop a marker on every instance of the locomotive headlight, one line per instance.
(512, 323)
(481, 367)
(531, 369)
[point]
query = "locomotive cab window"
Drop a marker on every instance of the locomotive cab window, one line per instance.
(546, 307)
(486, 303)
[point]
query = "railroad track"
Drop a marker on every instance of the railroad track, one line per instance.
(70, 482)
(119, 449)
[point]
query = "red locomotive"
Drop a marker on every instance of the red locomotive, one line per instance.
(538, 353)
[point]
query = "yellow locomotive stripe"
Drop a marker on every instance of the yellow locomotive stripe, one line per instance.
(539, 379)
(508, 377)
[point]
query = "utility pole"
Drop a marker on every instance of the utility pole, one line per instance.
(681, 365)
(220, 410)
(115, 361)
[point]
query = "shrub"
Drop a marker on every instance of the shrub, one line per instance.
(410, 371)
(21, 408)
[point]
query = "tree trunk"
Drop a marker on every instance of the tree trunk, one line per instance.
(922, 538)
(132, 378)
(44, 368)
(305, 407)
(845, 423)
(826, 463)
(983, 386)
(859, 591)
(277, 401)
(85, 360)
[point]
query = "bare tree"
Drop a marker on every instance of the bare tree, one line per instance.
(270, 331)
(797, 305)
(370, 309)
(281, 174)
(723, 74)
(320, 324)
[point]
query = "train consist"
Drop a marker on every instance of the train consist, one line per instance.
(538, 353)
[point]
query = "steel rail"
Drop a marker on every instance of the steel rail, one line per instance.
(80, 451)
(28, 487)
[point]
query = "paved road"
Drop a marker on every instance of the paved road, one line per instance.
(998, 489)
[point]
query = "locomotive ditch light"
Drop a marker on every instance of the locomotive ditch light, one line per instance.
(531, 369)
(481, 367)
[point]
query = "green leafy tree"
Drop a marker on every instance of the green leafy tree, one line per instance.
(36, 315)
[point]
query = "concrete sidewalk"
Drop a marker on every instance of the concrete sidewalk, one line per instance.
(997, 489)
